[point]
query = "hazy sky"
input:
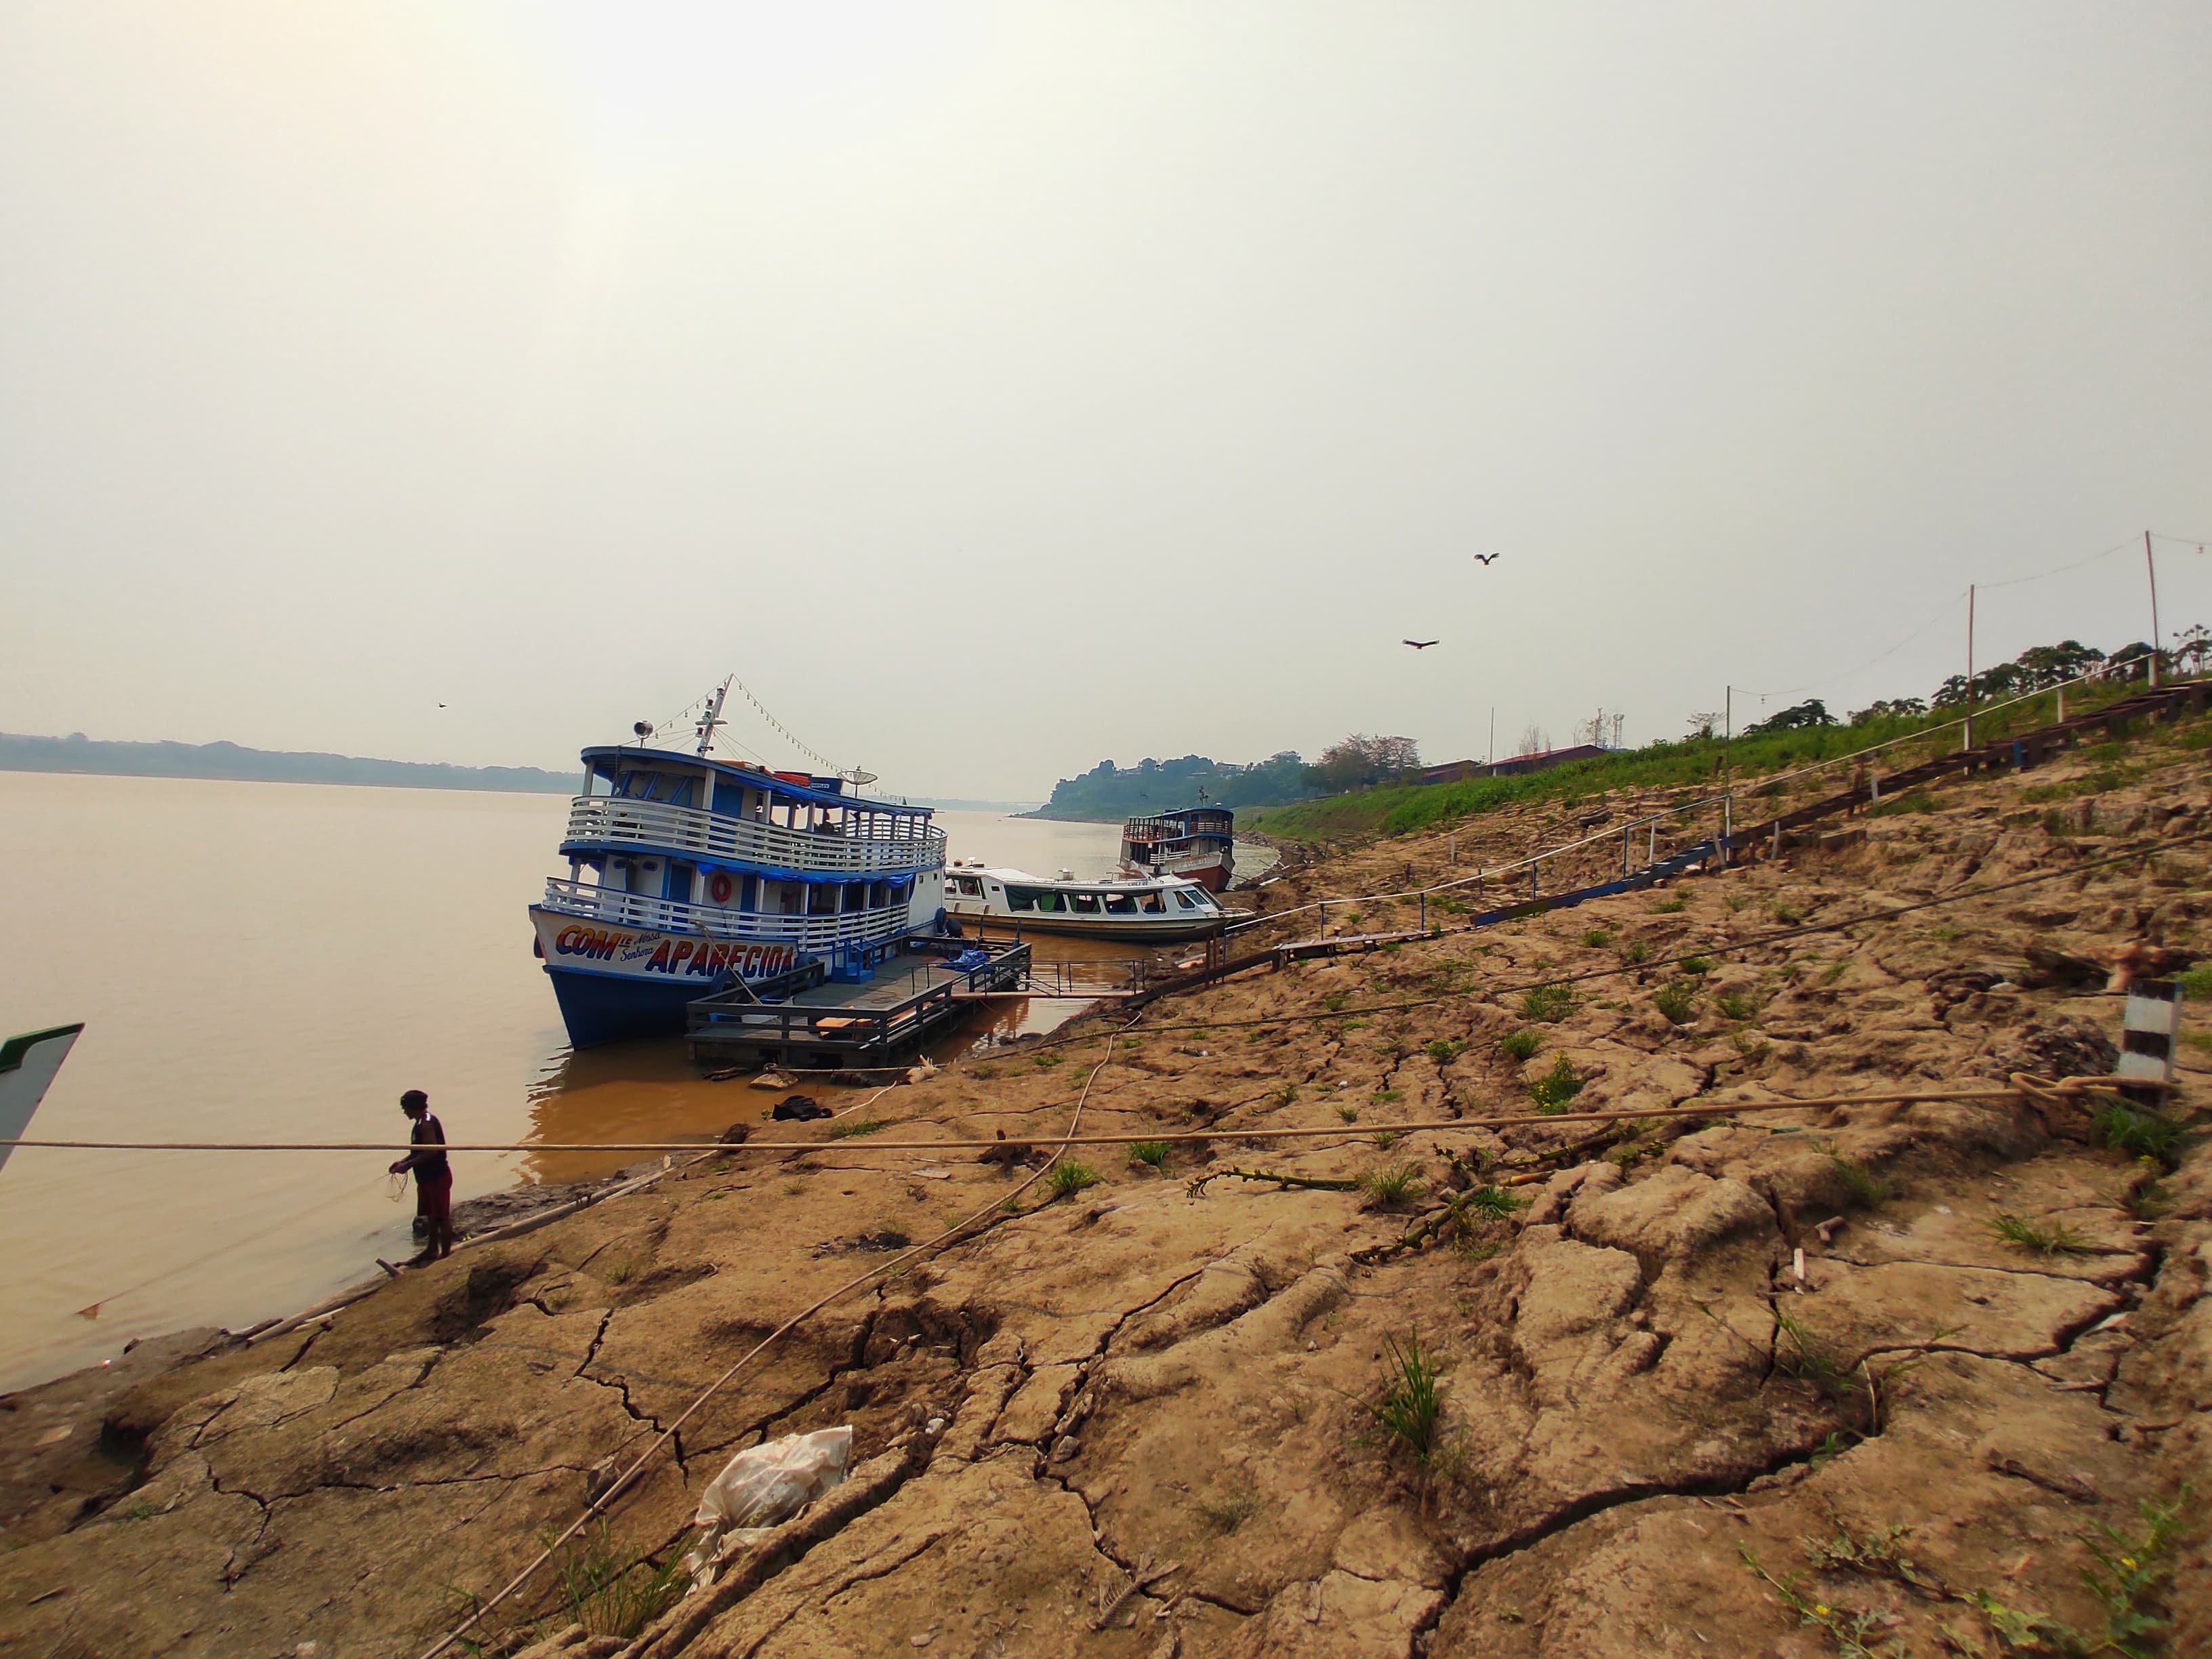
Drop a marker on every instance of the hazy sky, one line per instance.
(999, 388)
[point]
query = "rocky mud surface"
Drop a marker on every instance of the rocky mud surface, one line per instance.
(1162, 1403)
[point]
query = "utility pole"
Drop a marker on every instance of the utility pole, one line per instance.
(1493, 740)
(1967, 741)
(2151, 565)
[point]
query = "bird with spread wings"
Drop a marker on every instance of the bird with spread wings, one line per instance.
(1419, 645)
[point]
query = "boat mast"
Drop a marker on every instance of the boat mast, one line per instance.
(713, 717)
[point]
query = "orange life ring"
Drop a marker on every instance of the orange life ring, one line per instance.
(719, 887)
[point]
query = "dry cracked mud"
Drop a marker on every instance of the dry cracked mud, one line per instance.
(1653, 1436)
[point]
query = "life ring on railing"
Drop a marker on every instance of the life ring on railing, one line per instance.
(719, 887)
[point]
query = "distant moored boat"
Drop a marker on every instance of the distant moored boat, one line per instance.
(1197, 843)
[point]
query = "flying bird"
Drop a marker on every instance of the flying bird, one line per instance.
(1484, 558)
(1420, 645)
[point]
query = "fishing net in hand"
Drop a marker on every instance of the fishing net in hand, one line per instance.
(395, 1187)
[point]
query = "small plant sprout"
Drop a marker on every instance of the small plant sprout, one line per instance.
(1385, 1140)
(611, 1592)
(1496, 1202)
(1408, 1412)
(855, 1126)
(1066, 1178)
(1547, 1005)
(1154, 1152)
(1635, 952)
(1444, 1051)
(1596, 939)
(1349, 1114)
(1869, 1190)
(1677, 1001)
(2022, 1234)
(2138, 1131)
(1788, 915)
(1519, 1045)
(1557, 1087)
(1670, 907)
(1231, 1511)
(1046, 1061)
(1335, 1000)
(1735, 1005)
(1697, 964)
(1390, 1189)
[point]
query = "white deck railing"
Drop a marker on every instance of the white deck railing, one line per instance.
(576, 898)
(612, 821)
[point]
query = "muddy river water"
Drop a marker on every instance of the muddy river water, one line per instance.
(278, 962)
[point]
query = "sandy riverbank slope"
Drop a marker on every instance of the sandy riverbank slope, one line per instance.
(1634, 1398)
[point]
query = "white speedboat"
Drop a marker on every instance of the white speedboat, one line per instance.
(1161, 908)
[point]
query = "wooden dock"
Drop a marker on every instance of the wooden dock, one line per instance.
(876, 1022)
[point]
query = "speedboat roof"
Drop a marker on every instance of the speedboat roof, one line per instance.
(1002, 873)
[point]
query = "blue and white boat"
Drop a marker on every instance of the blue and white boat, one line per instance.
(688, 873)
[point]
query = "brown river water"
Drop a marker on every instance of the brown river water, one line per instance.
(278, 962)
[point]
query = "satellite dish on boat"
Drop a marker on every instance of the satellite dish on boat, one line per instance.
(858, 777)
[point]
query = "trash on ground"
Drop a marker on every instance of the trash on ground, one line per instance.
(800, 1109)
(759, 1489)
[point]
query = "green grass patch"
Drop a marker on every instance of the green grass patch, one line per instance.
(1444, 1051)
(2025, 1235)
(1557, 1086)
(1154, 1152)
(1697, 964)
(1678, 1000)
(611, 1592)
(1736, 1005)
(1066, 1178)
(1547, 1003)
(2138, 1131)
(1521, 1044)
(1596, 939)
(1869, 1190)
(1392, 1188)
(1409, 1409)
(856, 1126)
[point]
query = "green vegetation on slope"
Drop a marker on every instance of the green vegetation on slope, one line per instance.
(1690, 764)
(77, 753)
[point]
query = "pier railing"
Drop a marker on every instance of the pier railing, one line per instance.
(577, 898)
(610, 821)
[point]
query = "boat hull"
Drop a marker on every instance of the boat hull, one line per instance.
(1161, 930)
(614, 981)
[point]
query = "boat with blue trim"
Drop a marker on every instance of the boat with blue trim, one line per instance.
(689, 874)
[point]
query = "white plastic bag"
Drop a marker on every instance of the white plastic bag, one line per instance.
(761, 1487)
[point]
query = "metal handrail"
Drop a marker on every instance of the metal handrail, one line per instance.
(581, 899)
(615, 821)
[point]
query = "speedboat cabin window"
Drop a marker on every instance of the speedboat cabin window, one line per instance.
(1150, 903)
(1120, 904)
(1084, 904)
(970, 887)
(1183, 898)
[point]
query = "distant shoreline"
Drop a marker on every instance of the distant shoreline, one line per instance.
(230, 763)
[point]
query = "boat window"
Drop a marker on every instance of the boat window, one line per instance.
(680, 794)
(1021, 898)
(1084, 904)
(1120, 904)
(1150, 903)
(970, 887)
(1201, 898)
(1183, 898)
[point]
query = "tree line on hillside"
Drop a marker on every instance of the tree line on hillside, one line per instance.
(2038, 668)
(1107, 792)
(232, 762)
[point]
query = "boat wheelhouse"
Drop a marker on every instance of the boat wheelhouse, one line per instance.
(1197, 843)
(689, 874)
(1159, 908)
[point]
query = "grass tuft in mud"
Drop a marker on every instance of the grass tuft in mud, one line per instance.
(611, 1592)
(1390, 1189)
(1867, 1189)
(1677, 1000)
(1547, 1005)
(857, 1126)
(1154, 1152)
(2021, 1233)
(1067, 1177)
(2138, 1131)
(1408, 1410)
(1554, 1090)
(1519, 1045)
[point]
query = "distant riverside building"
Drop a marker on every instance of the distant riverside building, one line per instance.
(1542, 761)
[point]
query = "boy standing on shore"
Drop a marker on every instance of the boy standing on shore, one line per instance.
(433, 1177)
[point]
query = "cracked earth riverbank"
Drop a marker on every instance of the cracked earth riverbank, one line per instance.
(1141, 1373)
